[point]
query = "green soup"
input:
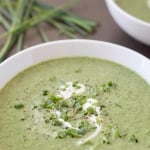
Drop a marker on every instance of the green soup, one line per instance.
(75, 103)
(137, 8)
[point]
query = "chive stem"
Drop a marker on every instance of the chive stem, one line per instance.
(4, 23)
(42, 34)
(16, 18)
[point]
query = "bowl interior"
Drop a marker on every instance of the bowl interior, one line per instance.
(133, 26)
(138, 20)
(69, 48)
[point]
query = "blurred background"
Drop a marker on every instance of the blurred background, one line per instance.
(95, 10)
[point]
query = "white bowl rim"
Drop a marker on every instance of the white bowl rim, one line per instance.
(123, 51)
(128, 14)
(69, 41)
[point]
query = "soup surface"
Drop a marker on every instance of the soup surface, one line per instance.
(137, 8)
(75, 103)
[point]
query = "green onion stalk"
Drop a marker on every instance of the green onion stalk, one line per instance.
(18, 16)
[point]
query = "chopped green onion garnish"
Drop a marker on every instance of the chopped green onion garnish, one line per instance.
(45, 92)
(19, 106)
(72, 132)
(56, 122)
(133, 139)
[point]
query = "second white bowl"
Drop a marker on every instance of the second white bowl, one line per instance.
(136, 28)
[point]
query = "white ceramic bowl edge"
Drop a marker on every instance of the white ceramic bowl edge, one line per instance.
(136, 28)
(69, 48)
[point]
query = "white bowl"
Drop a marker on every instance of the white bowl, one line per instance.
(136, 28)
(66, 48)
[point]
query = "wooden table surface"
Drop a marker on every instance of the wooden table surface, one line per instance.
(107, 31)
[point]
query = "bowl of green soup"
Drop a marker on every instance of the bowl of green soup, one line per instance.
(75, 95)
(133, 16)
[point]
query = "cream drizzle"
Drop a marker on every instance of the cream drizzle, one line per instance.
(92, 119)
(67, 90)
(65, 123)
(92, 136)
